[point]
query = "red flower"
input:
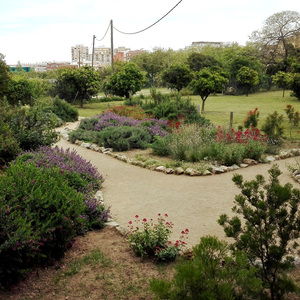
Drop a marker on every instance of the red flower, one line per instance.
(144, 220)
(136, 216)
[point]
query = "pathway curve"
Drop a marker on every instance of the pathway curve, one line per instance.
(190, 202)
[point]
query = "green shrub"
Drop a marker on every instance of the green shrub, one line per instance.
(124, 138)
(160, 145)
(40, 215)
(83, 135)
(211, 274)
(9, 146)
(88, 123)
(273, 127)
(64, 110)
(269, 225)
(33, 127)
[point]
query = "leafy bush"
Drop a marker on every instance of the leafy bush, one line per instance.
(9, 146)
(83, 135)
(64, 110)
(40, 215)
(33, 127)
(211, 274)
(124, 138)
(270, 224)
(148, 239)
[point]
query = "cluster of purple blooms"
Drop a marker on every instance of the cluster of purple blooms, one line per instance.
(110, 119)
(65, 160)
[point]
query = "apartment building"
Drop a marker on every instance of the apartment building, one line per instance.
(80, 53)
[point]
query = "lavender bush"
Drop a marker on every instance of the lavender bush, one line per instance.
(70, 162)
(109, 119)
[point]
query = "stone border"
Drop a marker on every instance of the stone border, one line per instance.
(212, 169)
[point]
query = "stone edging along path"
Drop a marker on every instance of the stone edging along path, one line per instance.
(212, 169)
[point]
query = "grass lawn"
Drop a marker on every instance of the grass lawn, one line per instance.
(218, 107)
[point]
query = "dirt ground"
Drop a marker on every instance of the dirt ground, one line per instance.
(101, 264)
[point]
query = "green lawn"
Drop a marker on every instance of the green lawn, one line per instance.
(218, 107)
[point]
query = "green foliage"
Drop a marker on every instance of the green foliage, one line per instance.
(126, 82)
(64, 110)
(81, 84)
(295, 85)
(198, 61)
(124, 138)
(206, 82)
(149, 239)
(160, 146)
(282, 80)
(9, 146)
(177, 76)
(83, 135)
(294, 117)
(33, 127)
(247, 78)
(273, 127)
(20, 91)
(40, 215)
(271, 214)
(211, 274)
(5, 77)
(173, 108)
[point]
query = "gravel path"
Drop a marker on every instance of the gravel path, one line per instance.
(190, 202)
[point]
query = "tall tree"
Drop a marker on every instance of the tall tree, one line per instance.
(177, 76)
(276, 31)
(207, 82)
(247, 78)
(80, 84)
(282, 80)
(126, 82)
(198, 61)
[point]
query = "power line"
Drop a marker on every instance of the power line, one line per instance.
(150, 25)
(104, 34)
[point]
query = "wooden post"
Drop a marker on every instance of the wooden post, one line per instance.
(231, 120)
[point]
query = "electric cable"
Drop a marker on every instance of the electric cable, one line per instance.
(150, 25)
(104, 34)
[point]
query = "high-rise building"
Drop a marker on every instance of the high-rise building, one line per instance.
(80, 53)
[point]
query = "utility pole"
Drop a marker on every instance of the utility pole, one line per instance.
(112, 46)
(93, 50)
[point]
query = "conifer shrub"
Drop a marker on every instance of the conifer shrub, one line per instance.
(270, 226)
(212, 273)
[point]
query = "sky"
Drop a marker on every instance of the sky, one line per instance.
(44, 31)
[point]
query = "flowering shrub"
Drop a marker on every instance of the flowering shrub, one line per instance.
(82, 175)
(40, 214)
(149, 239)
(110, 119)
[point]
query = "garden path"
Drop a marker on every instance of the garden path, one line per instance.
(190, 202)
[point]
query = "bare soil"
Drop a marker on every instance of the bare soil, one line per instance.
(191, 202)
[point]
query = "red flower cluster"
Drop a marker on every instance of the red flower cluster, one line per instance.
(239, 136)
(176, 124)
